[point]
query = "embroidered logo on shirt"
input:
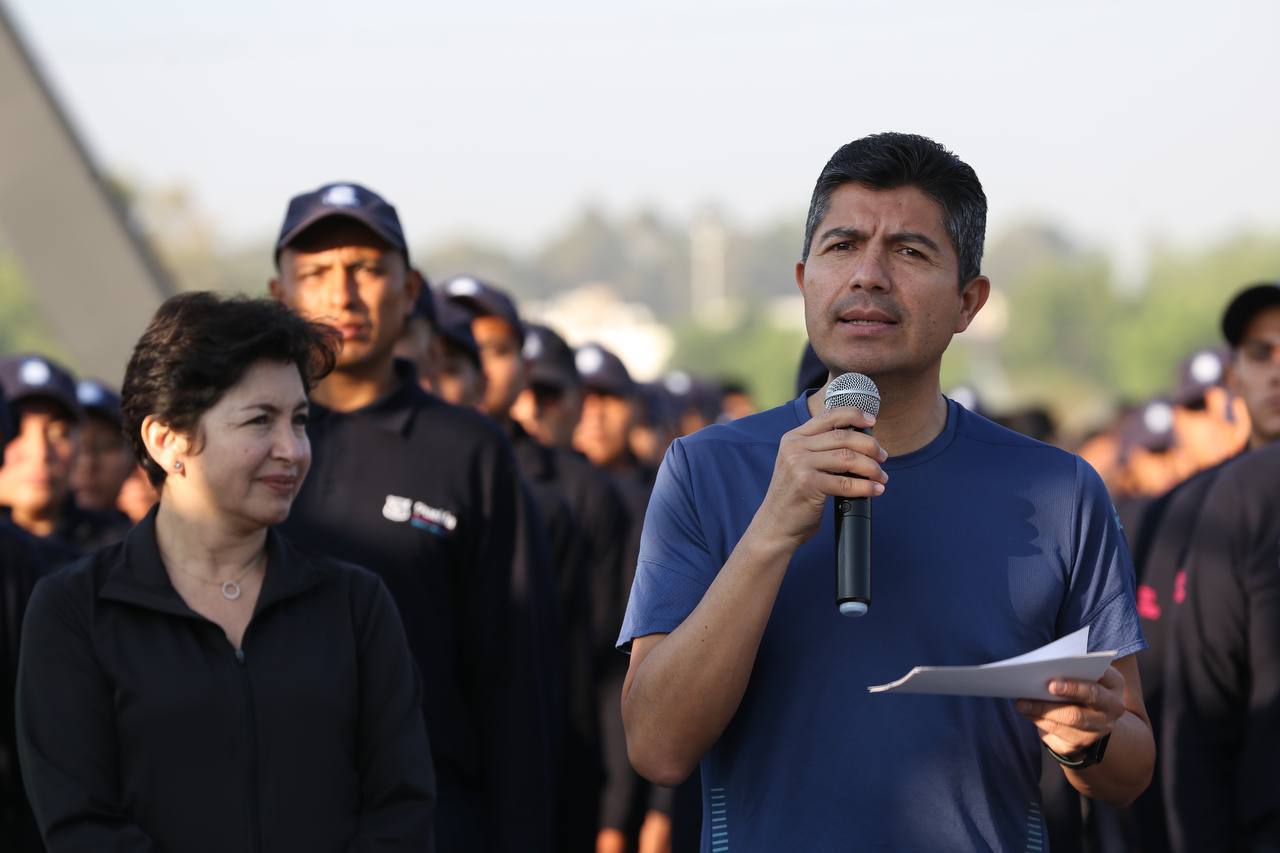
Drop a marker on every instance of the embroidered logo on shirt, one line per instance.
(432, 519)
(1148, 602)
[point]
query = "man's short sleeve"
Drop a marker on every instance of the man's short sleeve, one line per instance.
(1100, 589)
(675, 567)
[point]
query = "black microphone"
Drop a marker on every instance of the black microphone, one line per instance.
(853, 515)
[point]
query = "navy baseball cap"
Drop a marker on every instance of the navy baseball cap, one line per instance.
(1200, 371)
(1150, 427)
(347, 200)
(425, 305)
(551, 360)
(453, 323)
(1244, 305)
(656, 406)
(481, 299)
(28, 377)
(603, 372)
(97, 398)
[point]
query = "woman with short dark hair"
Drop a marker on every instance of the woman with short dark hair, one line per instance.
(205, 685)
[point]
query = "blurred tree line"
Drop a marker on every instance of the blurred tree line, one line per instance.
(1060, 329)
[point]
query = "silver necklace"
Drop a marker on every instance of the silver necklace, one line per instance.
(230, 589)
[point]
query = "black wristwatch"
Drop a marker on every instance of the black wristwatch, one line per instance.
(1087, 757)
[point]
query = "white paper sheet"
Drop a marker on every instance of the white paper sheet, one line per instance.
(1026, 676)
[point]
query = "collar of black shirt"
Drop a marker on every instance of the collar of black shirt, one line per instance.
(395, 410)
(138, 576)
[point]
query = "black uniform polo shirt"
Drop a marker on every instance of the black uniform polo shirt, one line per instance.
(1221, 738)
(426, 495)
(21, 565)
(1159, 557)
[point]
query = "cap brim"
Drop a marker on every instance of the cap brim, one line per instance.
(616, 389)
(69, 404)
(546, 375)
(354, 214)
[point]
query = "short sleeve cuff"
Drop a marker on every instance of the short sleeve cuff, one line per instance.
(661, 599)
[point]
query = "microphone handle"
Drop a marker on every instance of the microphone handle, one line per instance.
(853, 555)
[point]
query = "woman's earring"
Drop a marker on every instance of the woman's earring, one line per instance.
(177, 466)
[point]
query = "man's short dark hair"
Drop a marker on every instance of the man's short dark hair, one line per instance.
(886, 161)
(198, 346)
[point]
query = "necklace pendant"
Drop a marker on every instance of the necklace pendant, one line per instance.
(231, 590)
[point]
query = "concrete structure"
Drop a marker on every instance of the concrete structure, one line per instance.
(91, 273)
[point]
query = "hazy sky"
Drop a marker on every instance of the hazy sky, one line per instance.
(1123, 121)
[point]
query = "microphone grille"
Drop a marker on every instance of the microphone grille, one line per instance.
(853, 389)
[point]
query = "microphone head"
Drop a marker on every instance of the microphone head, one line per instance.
(853, 389)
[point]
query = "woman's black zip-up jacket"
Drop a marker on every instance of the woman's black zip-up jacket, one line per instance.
(141, 728)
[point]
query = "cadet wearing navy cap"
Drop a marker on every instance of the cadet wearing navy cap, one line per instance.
(550, 407)
(35, 483)
(419, 343)
(460, 377)
(105, 460)
(589, 548)
(425, 494)
(1162, 555)
(603, 435)
(21, 564)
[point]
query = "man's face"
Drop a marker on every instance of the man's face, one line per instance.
(504, 367)
(604, 431)
(36, 477)
(340, 273)
(418, 344)
(103, 464)
(550, 413)
(459, 380)
(1255, 374)
(880, 286)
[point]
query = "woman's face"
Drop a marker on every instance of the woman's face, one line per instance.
(253, 452)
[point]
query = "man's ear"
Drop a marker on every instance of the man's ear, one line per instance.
(800, 276)
(972, 297)
(413, 284)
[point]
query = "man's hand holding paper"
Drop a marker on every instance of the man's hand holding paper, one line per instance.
(1087, 712)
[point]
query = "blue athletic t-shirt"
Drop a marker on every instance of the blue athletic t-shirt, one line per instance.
(986, 544)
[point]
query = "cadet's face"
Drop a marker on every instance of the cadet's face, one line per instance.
(504, 371)
(880, 286)
(460, 380)
(137, 495)
(348, 278)
(604, 430)
(254, 453)
(549, 414)
(417, 345)
(1255, 375)
(103, 464)
(36, 477)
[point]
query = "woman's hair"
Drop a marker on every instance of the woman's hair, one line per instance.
(199, 345)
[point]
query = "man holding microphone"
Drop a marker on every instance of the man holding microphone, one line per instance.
(986, 545)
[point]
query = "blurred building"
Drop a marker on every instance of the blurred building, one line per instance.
(595, 312)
